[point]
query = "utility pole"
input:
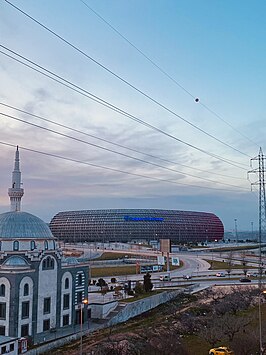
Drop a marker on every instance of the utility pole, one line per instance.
(260, 170)
(251, 230)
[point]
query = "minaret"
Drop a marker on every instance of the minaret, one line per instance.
(16, 192)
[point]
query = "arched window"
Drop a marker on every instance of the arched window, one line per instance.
(45, 245)
(53, 244)
(2, 290)
(67, 283)
(15, 245)
(44, 264)
(32, 245)
(26, 290)
(48, 263)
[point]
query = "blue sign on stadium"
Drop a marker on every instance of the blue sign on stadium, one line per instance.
(145, 219)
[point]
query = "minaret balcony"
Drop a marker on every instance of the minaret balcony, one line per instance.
(13, 192)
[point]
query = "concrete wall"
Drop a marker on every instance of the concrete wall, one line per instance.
(101, 310)
(135, 308)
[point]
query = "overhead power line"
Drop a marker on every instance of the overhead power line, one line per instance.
(115, 170)
(114, 143)
(112, 151)
(165, 73)
(97, 99)
(122, 79)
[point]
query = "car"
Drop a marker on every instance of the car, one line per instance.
(245, 280)
(186, 277)
(222, 350)
(165, 278)
(220, 274)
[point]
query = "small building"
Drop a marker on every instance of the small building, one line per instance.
(8, 345)
(41, 293)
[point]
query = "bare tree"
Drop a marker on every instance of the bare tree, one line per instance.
(229, 263)
(232, 325)
(246, 343)
(212, 333)
(244, 263)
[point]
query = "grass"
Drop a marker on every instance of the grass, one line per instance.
(113, 256)
(121, 270)
(241, 247)
(218, 265)
(113, 271)
(141, 296)
(127, 269)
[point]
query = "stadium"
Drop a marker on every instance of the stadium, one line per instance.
(129, 225)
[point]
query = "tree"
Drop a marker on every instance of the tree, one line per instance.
(212, 333)
(148, 285)
(101, 282)
(244, 263)
(229, 263)
(232, 325)
(139, 289)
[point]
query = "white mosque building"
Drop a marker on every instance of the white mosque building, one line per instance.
(41, 292)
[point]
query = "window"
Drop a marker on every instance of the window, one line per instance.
(26, 290)
(67, 283)
(2, 290)
(46, 324)
(15, 245)
(32, 245)
(65, 320)
(2, 310)
(3, 349)
(12, 347)
(47, 305)
(79, 297)
(2, 330)
(25, 309)
(66, 301)
(45, 245)
(79, 279)
(48, 263)
(24, 330)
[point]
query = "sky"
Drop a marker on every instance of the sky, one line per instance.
(141, 140)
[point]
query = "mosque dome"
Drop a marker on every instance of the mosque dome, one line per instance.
(15, 262)
(23, 225)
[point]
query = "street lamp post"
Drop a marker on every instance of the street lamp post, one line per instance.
(81, 309)
(236, 235)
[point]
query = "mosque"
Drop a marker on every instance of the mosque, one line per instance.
(42, 294)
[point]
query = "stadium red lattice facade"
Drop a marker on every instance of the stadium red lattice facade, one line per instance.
(125, 225)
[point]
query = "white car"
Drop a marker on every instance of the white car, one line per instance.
(165, 278)
(220, 274)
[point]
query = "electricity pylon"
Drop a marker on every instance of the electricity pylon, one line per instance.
(260, 170)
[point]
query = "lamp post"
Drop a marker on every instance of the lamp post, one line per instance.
(81, 309)
(251, 228)
(236, 235)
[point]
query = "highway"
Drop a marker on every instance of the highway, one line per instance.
(194, 264)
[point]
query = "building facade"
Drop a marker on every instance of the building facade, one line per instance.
(127, 225)
(41, 294)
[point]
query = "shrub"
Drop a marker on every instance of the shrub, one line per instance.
(139, 288)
